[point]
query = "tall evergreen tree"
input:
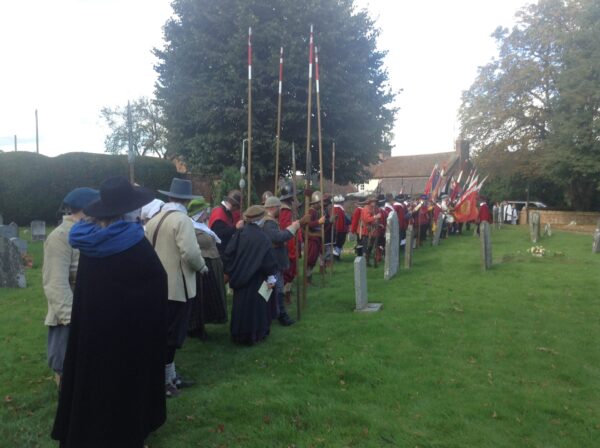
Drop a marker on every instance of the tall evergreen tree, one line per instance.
(203, 79)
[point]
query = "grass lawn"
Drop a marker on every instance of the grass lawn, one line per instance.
(457, 358)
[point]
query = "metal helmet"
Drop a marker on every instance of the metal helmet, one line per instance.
(287, 192)
(265, 195)
(316, 197)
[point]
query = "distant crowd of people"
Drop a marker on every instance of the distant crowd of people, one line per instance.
(129, 277)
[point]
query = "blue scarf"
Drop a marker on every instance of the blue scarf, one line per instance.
(99, 242)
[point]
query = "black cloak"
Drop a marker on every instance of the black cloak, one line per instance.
(113, 386)
(249, 260)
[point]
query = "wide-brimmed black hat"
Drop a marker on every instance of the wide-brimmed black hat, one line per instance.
(118, 196)
(180, 189)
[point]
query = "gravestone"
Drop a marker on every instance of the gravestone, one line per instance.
(392, 246)
(534, 227)
(547, 229)
(486, 245)
(12, 272)
(21, 245)
(1, 220)
(409, 246)
(596, 245)
(360, 285)
(38, 230)
(438, 230)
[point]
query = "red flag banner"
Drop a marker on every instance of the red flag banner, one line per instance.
(466, 209)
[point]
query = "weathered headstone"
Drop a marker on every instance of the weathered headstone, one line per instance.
(534, 227)
(486, 245)
(392, 246)
(409, 247)
(12, 272)
(1, 220)
(438, 230)
(596, 244)
(360, 285)
(547, 229)
(38, 230)
(21, 245)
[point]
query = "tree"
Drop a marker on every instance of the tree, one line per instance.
(148, 133)
(507, 113)
(202, 84)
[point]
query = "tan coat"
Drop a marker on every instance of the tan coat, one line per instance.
(58, 273)
(178, 251)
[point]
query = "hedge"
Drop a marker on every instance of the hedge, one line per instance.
(32, 186)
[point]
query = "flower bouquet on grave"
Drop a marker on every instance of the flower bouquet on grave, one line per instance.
(537, 251)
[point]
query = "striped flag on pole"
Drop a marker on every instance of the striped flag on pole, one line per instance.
(280, 69)
(310, 53)
(250, 53)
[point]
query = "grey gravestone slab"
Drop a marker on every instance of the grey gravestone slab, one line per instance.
(438, 230)
(409, 247)
(547, 229)
(596, 244)
(486, 245)
(38, 230)
(1, 220)
(21, 245)
(534, 227)
(392, 246)
(12, 271)
(360, 288)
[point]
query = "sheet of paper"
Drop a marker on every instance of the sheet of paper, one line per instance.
(264, 291)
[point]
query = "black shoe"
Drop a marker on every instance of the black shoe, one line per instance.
(182, 383)
(171, 391)
(286, 320)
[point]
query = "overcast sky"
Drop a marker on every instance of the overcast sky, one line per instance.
(69, 58)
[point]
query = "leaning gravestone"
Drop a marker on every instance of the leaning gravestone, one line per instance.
(547, 229)
(360, 285)
(12, 272)
(409, 247)
(438, 230)
(21, 245)
(534, 227)
(38, 230)
(486, 245)
(392, 246)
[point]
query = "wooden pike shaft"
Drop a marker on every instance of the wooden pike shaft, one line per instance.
(278, 139)
(297, 246)
(332, 207)
(308, 168)
(320, 161)
(249, 116)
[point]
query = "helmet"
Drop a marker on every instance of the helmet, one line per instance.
(287, 192)
(316, 197)
(265, 195)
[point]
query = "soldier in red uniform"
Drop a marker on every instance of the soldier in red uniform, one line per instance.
(484, 212)
(225, 218)
(370, 218)
(285, 219)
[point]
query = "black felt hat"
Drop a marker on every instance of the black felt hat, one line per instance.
(118, 196)
(180, 189)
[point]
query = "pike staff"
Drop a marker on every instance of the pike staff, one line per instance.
(249, 115)
(278, 138)
(333, 215)
(320, 163)
(296, 236)
(308, 167)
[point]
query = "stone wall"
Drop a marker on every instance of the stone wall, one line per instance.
(562, 218)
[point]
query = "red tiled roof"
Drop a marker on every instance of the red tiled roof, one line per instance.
(413, 166)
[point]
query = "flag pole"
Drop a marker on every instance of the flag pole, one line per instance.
(296, 236)
(320, 163)
(278, 139)
(333, 215)
(249, 116)
(308, 167)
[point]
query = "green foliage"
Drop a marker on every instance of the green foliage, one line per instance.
(148, 136)
(532, 113)
(32, 186)
(202, 84)
(453, 359)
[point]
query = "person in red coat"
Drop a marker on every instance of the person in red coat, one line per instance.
(225, 218)
(355, 221)
(285, 219)
(369, 223)
(484, 213)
